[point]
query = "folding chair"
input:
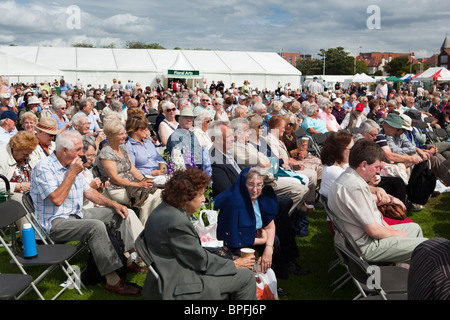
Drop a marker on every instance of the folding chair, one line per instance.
(441, 134)
(374, 282)
(432, 137)
(346, 276)
(146, 256)
(12, 284)
(27, 202)
(393, 279)
(300, 133)
(318, 139)
(50, 255)
(152, 115)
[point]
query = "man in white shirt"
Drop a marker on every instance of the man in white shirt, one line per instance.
(315, 86)
(382, 88)
(356, 207)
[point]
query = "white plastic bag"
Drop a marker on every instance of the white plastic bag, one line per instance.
(266, 285)
(208, 233)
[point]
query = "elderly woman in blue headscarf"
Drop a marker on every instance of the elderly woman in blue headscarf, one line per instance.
(246, 217)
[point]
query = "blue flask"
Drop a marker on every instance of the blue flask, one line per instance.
(29, 242)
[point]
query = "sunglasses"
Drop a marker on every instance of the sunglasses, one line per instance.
(170, 110)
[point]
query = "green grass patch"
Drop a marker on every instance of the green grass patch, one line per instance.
(316, 254)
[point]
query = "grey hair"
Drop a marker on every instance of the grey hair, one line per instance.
(77, 118)
(324, 103)
(367, 126)
(258, 106)
(392, 102)
(58, 102)
(116, 105)
(202, 116)
(67, 139)
(167, 104)
(238, 124)
(258, 172)
(88, 141)
(311, 108)
(276, 105)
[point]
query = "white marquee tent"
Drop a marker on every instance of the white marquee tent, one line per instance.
(98, 66)
(17, 69)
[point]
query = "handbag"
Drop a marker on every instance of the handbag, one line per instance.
(392, 211)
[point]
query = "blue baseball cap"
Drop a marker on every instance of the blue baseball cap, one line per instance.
(8, 114)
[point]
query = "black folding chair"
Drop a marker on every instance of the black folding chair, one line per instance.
(374, 282)
(12, 284)
(441, 134)
(50, 255)
(393, 280)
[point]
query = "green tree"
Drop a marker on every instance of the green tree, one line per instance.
(309, 67)
(337, 61)
(396, 67)
(82, 45)
(361, 67)
(142, 45)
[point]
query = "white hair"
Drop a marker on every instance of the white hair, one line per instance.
(58, 102)
(67, 139)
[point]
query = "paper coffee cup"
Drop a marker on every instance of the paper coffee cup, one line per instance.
(161, 165)
(245, 252)
(310, 208)
(305, 140)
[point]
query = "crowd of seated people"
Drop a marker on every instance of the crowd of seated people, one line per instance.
(243, 140)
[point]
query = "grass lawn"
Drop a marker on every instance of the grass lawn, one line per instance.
(316, 254)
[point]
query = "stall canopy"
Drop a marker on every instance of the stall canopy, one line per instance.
(363, 78)
(433, 74)
(407, 77)
(393, 79)
(20, 70)
(98, 66)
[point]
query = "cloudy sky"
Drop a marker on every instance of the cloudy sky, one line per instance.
(238, 25)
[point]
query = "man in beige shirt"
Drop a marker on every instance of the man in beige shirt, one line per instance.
(353, 203)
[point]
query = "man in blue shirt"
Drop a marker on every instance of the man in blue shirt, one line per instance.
(63, 86)
(86, 107)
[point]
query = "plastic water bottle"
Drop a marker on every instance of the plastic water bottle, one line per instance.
(29, 242)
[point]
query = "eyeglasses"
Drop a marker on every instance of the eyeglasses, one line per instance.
(208, 121)
(258, 186)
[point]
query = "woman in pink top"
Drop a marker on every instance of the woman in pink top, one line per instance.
(327, 117)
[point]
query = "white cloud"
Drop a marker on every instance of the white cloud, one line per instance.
(295, 26)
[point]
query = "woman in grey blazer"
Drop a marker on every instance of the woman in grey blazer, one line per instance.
(185, 268)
